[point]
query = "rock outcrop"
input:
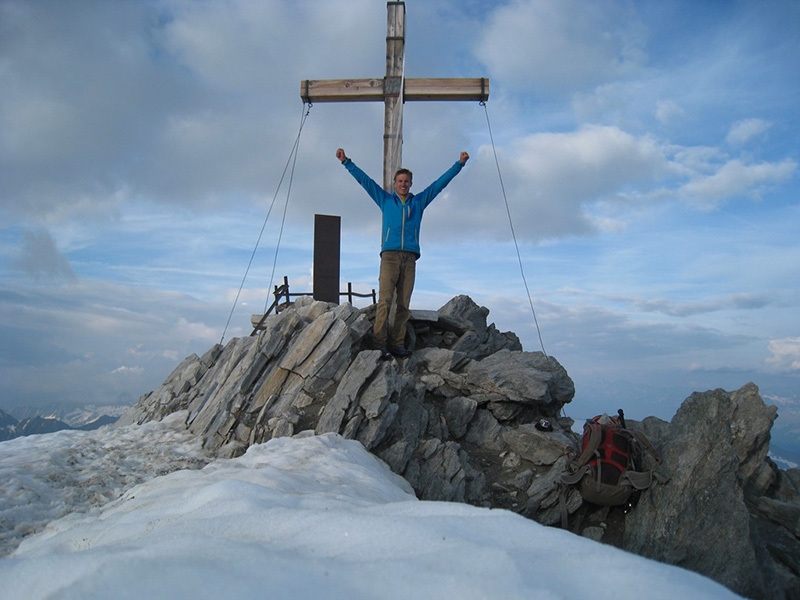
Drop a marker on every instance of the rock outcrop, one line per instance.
(458, 421)
(728, 511)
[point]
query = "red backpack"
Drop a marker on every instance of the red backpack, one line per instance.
(610, 467)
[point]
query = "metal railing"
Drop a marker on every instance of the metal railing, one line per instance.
(283, 299)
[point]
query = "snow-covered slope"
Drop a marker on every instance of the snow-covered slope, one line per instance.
(303, 517)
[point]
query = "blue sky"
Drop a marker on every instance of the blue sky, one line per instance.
(648, 151)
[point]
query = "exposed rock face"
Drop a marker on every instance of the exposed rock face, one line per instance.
(438, 418)
(457, 421)
(727, 510)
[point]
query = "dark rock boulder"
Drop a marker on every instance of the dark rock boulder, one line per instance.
(715, 514)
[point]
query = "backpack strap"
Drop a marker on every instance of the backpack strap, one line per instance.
(573, 478)
(593, 443)
(567, 481)
(642, 440)
(580, 466)
(638, 480)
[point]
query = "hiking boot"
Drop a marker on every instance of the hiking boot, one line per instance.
(401, 352)
(386, 354)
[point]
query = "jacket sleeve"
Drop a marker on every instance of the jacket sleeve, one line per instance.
(434, 189)
(375, 191)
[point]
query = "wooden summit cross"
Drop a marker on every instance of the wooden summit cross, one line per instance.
(393, 90)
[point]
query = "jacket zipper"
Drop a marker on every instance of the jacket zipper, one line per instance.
(403, 226)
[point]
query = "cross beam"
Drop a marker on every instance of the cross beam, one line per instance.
(366, 90)
(393, 90)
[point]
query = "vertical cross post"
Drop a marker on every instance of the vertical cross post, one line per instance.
(393, 90)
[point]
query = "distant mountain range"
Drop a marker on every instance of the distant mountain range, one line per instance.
(785, 459)
(50, 421)
(786, 430)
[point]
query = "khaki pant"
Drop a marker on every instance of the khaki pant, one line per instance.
(398, 270)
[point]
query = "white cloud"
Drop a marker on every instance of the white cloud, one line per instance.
(743, 131)
(601, 157)
(171, 355)
(97, 93)
(668, 110)
(560, 47)
(736, 178)
(123, 369)
(551, 179)
(196, 331)
(785, 354)
(238, 44)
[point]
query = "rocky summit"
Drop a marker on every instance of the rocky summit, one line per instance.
(460, 421)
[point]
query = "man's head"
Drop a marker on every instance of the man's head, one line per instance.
(402, 182)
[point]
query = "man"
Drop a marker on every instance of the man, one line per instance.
(402, 217)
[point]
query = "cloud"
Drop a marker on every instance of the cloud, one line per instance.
(544, 47)
(736, 178)
(70, 341)
(235, 45)
(686, 309)
(177, 103)
(598, 159)
(674, 308)
(196, 331)
(668, 110)
(785, 354)
(590, 180)
(201, 93)
(40, 258)
(125, 369)
(743, 131)
(551, 181)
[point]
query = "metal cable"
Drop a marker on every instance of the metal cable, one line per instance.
(511, 224)
(291, 160)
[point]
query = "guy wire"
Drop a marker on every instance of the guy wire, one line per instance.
(511, 224)
(291, 160)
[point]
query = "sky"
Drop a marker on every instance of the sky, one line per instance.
(635, 170)
(303, 517)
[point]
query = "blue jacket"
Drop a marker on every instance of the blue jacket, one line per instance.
(401, 220)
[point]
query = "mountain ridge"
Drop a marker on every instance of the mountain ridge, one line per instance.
(11, 428)
(457, 421)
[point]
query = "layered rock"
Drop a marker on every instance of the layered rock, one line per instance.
(457, 420)
(727, 511)
(439, 418)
